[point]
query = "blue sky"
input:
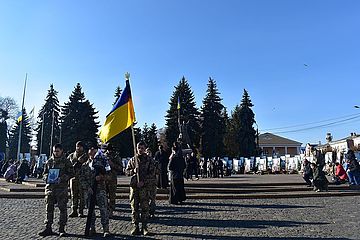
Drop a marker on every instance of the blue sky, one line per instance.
(299, 60)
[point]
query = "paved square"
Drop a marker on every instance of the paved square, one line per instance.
(303, 218)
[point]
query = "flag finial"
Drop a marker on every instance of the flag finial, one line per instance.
(127, 76)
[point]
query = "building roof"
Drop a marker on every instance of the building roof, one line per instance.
(272, 139)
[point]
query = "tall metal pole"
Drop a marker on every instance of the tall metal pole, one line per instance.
(21, 123)
(42, 132)
(52, 133)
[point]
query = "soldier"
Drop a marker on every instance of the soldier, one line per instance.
(77, 158)
(152, 187)
(111, 178)
(141, 168)
(96, 161)
(57, 173)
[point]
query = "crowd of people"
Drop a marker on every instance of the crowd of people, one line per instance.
(348, 172)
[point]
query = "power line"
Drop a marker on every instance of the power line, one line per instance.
(344, 121)
(306, 124)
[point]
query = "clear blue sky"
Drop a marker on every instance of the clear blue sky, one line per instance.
(299, 60)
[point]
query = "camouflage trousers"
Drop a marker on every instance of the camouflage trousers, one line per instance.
(77, 196)
(139, 198)
(101, 202)
(111, 186)
(53, 196)
(152, 198)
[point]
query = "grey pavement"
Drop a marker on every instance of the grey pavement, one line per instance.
(288, 218)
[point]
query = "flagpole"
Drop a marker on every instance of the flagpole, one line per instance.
(52, 132)
(31, 117)
(127, 78)
(42, 132)
(21, 123)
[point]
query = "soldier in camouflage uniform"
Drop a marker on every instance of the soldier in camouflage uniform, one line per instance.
(56, 192)
(77, 158)
(142, 169)
(111, 178)
(153, 187)
(87, 178)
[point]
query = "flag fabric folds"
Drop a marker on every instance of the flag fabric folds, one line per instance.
(120, 117)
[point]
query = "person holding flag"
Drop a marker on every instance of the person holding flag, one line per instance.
(140, 167)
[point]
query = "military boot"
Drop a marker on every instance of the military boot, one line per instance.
(46, 232)
(135, 230)
(62, 232)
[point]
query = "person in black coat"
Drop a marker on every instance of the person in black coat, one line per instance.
(176, 166)
(23, 171)
(307, 174)
(320, 181)
(162, 158)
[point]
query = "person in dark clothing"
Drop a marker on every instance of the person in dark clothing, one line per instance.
(162, 158)
(194, 166)
(353, 170)
(320, 181)
(204, 167)
(176, 167)
(307, 174)
(188, 168)
(220, 167)
(23, 171)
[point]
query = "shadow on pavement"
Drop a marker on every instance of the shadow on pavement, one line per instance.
(232, 223)
(276, 206)
(195, 236)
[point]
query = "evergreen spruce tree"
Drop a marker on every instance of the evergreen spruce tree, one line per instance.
(188, 112)
(25, 137)
(241, 135)
(149, 136)
(78, 120)
(153, 139)
(213, 123)
(247, 132)
(46, 121)
(145, 134)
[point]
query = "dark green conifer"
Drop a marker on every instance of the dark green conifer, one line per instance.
(46, 120)
(188, 112)
(212, 123)
(78, 120)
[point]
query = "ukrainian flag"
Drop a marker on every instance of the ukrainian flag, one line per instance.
(19, 117)
(120, 117)
(178, 105)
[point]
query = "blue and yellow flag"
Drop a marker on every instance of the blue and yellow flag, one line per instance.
(120, 117)
(19, 117)
(178, 105)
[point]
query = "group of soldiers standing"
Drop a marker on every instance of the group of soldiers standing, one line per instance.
(93, 177)
(82, 169)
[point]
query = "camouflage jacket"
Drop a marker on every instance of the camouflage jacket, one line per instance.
(115, 164)
(66, 171)
(77, 160)
(87, 175)
(146, 168)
